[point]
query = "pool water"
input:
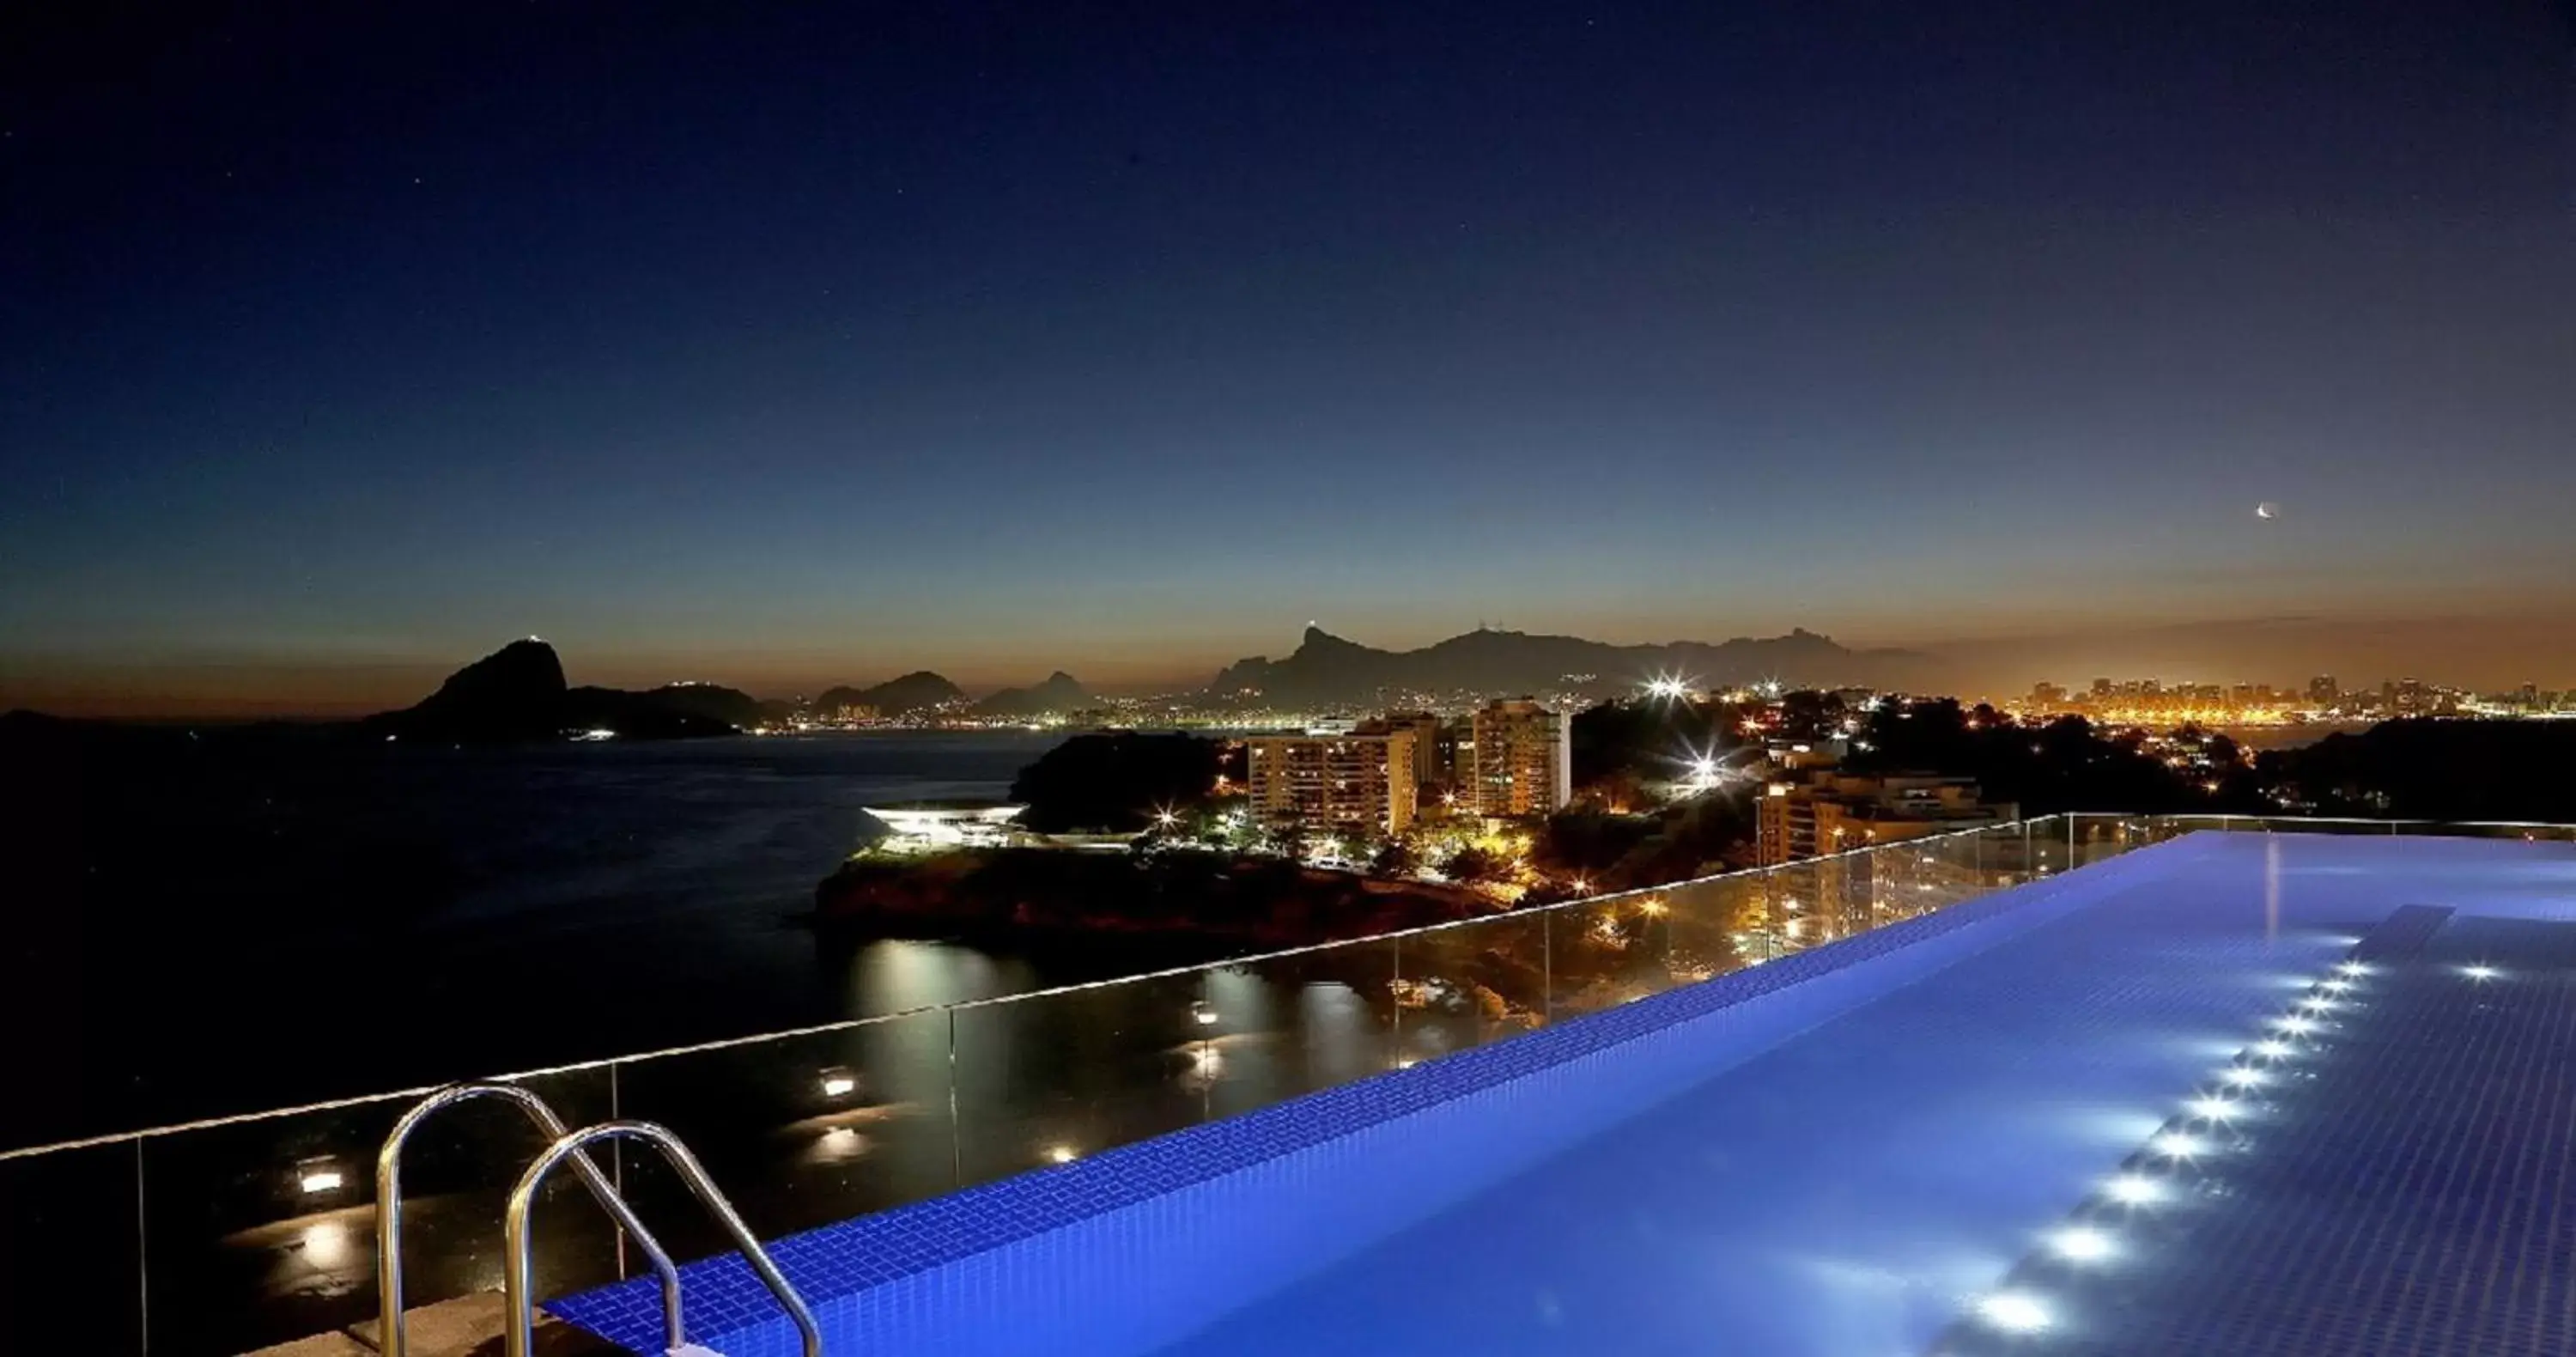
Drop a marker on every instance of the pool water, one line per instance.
(1879, 1147)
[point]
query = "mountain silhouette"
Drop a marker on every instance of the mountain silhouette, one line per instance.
(1331, 669)
(716, 702)
(518, 693)
(919, 690)
(1061, 692)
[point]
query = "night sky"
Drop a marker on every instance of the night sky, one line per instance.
(818, 343)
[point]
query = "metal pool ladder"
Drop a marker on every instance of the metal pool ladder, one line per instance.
(520, 1303)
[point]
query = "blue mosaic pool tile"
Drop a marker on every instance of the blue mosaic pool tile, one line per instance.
(726, 1302)
(2406, 1192)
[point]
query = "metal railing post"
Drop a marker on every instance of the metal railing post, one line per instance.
(518, 1286)
(389, 1268)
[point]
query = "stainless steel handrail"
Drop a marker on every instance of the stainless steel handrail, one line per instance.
(518, 1287)
(389, 1268)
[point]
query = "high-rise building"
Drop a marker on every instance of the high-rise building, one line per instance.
(2323, 691)
(1832, 812)
(1426, 739)
(1523, 759)
(1354, 784)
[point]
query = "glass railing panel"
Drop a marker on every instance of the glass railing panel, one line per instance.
(1840, 899)
(2001, 857)
(1910, 879)
(1049, 1077)
(2050, 846)
(2498, 830)
(2289, 824)
(1462, 987)
(1294, 1024)
(2163, 828)
(799, 1131)
(262, 1232)
(2100, 837)
(1609, 952)
(1709, 924)
(71, 1257)
(1795, 893)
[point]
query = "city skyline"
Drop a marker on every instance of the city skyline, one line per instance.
(799, 348)
(331, 693)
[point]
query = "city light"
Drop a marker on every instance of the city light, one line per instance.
(1062, 1154)
(2481, 974)
(2244, 1076)
(2275, 1050)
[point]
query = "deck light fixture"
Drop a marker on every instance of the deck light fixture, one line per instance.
(2131, 1189)
(2179, 1145)
(2083, 1244)
(2014, 1312)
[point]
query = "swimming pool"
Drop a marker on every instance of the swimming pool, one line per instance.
(2009, 1126)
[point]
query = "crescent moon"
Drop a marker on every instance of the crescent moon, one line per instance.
(2267, 509)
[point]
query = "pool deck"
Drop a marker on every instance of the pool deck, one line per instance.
(1835, 1154)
